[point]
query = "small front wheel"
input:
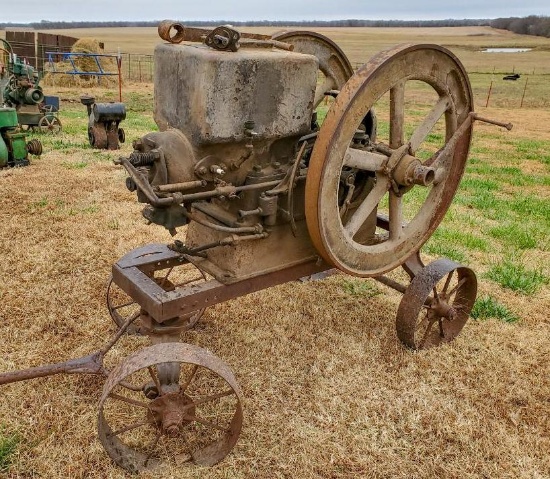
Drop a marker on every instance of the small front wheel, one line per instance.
(170, 403)
(436, 305)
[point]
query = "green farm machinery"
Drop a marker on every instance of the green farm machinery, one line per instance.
(19, 84)
(14, 149)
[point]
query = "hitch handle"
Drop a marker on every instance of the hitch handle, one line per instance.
(508, 126)
(91, 364)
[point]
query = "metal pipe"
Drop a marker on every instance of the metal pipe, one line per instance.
(225, 229)
(226, 191)
(91, 364)
(391, 283)
(144, 186)
(179, 187)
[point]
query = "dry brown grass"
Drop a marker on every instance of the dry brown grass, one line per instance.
(330, 393)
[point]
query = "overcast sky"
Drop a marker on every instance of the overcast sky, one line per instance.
(120, 10)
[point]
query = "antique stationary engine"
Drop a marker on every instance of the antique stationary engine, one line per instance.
(233, 151)
(20, 89)
(277, 162)
(104, 119)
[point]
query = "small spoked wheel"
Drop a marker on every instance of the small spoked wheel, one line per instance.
(49, 124)
(122, 307)
(170, 404)
(436, 305)
(370, 205)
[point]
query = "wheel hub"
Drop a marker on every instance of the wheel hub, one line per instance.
(169, 412)
(442, 309)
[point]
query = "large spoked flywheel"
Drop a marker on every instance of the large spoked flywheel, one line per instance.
(370, 206)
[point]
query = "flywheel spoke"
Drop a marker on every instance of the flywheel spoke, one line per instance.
(368, 206)
(364, 160)
(152, 448)
(396, 216)
(397, 115)
(424, 129)
(129, 400)
(155, 379)
(422, 342)
(189, 379)
(455, 289)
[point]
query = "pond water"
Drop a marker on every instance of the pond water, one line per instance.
(506, 50)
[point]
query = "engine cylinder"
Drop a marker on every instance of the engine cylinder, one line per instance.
(211, 96)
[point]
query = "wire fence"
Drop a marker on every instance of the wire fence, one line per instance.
(137, 67)
(530, 88)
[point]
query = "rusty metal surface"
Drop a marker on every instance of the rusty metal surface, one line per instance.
(333, 62)
(233, 91)
(91, 364)
(175, 32)
(169, 410)
(436, 305)
(122, 307)
(388, 72)
(163, 305)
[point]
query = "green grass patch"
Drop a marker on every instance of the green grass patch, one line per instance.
(448, 251)
(517, 236)
(517, 277)
(531, 149)
(531, 206)
(74, 165)
(356, 287)
(488, 307)
(41, 203)
(8, 447)
(477, 184)
(454, 237)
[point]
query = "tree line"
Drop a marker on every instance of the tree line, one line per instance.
(51, 25)
(531, 25)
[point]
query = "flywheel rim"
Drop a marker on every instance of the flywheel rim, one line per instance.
(446, 75)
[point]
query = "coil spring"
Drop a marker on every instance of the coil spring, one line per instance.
(142, 159)
(34, 147)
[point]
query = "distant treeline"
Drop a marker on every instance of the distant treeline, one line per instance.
(47, 25)
(532, 25)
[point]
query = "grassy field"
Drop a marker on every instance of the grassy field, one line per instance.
(330, 392)
(360, 44)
